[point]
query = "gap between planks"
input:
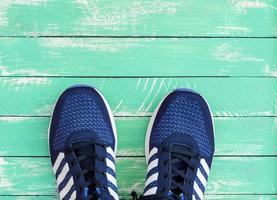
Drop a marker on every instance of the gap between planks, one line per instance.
(138, 36)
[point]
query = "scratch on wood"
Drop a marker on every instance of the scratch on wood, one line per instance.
(115, 15)
(229, 30)
(155, 95)
(45, 110)
(244, 5)
(138, 83)
(227, 52)
(18, 83)
(270, 70)
(99, 44)
(4, 71)
(141, 107)
(265, 113)
(145, 84)
(4, 182)
(118, 106)
(12, 119)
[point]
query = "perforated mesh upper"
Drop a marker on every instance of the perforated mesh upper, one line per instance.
(184, 115)
(82, 112)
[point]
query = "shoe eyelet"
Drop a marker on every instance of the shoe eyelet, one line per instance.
(164, 162)
(163, 189)
(165, 175)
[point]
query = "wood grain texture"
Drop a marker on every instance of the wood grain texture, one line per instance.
(27, 136)
(135, 56)
(141, 17)
(208, 197)
(135, 52)
(139, 96)
(20, 176)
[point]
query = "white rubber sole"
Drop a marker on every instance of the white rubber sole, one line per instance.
(151, 122)
(110, 115)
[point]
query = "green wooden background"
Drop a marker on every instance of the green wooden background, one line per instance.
(135, 52)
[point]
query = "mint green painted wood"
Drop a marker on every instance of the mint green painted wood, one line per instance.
(141, 17)
(135, 56)
(234, 174)
(229, 175)
(139, 96)
(257, 136)
(209, 197)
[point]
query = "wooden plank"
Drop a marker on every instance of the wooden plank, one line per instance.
(142, 17)
(234, 136)
(139, 96)
(209, 197)
(233, 175)
(135, 56)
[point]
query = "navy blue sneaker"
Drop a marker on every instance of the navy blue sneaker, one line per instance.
(179, 147)
(82, 145)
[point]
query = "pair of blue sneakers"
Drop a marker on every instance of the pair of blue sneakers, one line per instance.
(179, 147)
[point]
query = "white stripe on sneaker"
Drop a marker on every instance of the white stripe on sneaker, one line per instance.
(58, 162)
(153, 151)
(198, 191)
(111, 179)
(113, 193)
(111, 152)
(205, 166)
(110, 164)
(153, 164)
(201, 178)
(152, 178)
(63, 174)
(67, 188)
(150, 191)
(73, 196)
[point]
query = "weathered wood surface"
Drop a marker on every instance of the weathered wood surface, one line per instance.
(139, 96)
(135, 52)
(140, 17)
(252, 136)
(208, 197)
(137, 57)
(34, 176)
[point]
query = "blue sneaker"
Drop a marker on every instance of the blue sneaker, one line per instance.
(82, 145)
(179, 147)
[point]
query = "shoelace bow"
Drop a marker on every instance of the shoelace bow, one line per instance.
(85, 154)
(182, 160)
